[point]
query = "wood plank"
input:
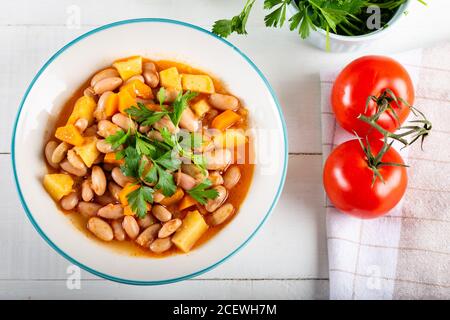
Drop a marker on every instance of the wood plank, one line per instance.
(187, 290)
(290, 245)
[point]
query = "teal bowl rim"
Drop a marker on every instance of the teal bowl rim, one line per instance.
(98, 273)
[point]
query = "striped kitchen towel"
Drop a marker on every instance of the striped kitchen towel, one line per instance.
(405, 254)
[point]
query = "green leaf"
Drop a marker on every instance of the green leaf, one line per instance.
(201, 193)
(180, 104)
(169, 161)
(165, 182)
(152, 175)
(131, 166)
(144, 146)
(144, 115)
(161, 95)
(117, 139)
(277, 17)
(225, 27)
(138, 200)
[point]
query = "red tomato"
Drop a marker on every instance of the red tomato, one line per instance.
(370, 76)
(347, 178)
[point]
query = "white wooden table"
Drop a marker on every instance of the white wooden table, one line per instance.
(288, 258)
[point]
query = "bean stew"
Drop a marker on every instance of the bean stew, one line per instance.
(150, 157)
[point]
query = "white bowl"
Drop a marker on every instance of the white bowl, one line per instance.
(339, 43)
(156, 39)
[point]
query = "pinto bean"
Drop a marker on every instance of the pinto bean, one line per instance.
(223, 101)
(105, 199)
(107, 84)
(98, 180)
(213, 204)
(194, 171)
(81, 124)
(89, 92)
(216, 178)
(60, 152)
(123, 121)
(49, 149)
(114, 189)
(75, 160)
(136, 77)
(231, 177)
(100, 229)
(91, 131)
(111, 211)
(155, 135)
(107, 128)
(88, 209)
(161, 213)
(169, 228)
(119, 177)
(171, 95)
(146, 221)
(70, 201)
(220, 215)
(99, 112)
(184, 181)
(103, 146)
(130, 226)
(66, 166)
(87, 194)
(158, 196)
(150, 74)
(165, 122)
(218, 159)
(118, 231)
(161, 245)
(189, 121)
(107, 73)
(148, 235)
(144, 129)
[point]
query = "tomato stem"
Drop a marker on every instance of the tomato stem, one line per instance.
(375, 162)
(419, 129)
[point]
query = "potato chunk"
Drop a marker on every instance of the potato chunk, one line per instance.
(201, 107)
(197, 83)
(129, 67)
(170, 78)
(69, 134)
(193, 227)
(84, 108)
(230, 139)
(58, 185)
(88, 151)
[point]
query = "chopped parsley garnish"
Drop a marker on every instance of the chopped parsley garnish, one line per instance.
(201, 193)
(138, 200)
(151, 162)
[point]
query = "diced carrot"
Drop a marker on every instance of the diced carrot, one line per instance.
(111, 104)
(129, 187)
(186, 202)
(111, 158)
(129, 212)
(69, 134)
(126, 101)
(225, 120)
(176, 197)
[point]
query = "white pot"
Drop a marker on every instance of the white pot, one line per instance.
(339, 43)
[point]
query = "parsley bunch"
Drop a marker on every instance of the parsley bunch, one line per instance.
(345, 17)
(151, 162)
